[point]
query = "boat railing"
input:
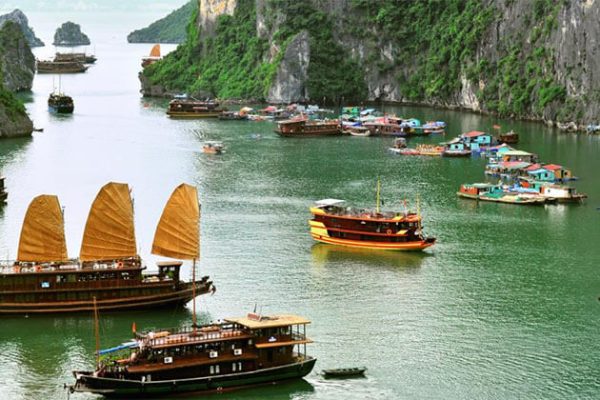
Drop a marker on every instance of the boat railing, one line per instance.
(188, 334)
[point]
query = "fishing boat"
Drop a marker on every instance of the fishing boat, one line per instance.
(302, 127)
(334, 223)
(344, 372)
(508, 137)
(404, 151)
(359, 131)
(232, 116)
(559, 193)
(44, 280)
(497, 194)
(60, 67)
(75, 57)
(153, 57)
(386, 128)
(212, 358)
(192, 108)
(212, 147)
(430, 150)
(60, 103)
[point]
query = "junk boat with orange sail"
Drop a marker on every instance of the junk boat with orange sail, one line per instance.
(334, 223)
(153, 57)
(44, 280)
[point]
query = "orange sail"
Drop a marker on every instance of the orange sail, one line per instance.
(109, 231)
(43, 235)
(155, 52)
(178, 232)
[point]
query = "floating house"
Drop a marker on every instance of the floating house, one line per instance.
(477, 139)
(519, 155)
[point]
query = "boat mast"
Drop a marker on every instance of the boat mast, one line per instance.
(419, 212)
(97, 332)
(194, 295)
(378, 190)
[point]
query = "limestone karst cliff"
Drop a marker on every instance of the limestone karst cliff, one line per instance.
(534, 59)
(16, 73)
(18, 17)
(17, 63)
(69, 34)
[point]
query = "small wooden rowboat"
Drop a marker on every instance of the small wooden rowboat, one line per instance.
(344, 372)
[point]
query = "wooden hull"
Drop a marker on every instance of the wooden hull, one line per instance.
(334, 131)
(86, 382)
(193, 115)
(505, 199)
(174, 297)
(464, 153)
(61, 109)
(363, 244)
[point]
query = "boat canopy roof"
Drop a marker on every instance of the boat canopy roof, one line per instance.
(262, 322)
(109, 231)
(329, 202)
(517, 153)
(43, 235)
(479, 185)
(473, 134)
(178, 231)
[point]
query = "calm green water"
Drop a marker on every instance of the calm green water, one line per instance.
(504, 306)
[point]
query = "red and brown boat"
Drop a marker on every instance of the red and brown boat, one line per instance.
(301, 127)
(109, 270)
(333, 223)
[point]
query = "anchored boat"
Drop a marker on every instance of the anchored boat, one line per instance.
(60, 103)
(191, 108)
(334, 223)
(60, 67)
(236, 353)
(44, 280)
(301, 127)
(153, 57)
(495, 193)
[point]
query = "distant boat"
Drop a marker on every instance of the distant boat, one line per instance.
(212, 147)
(54, 67)
(301, 127)
(75, 57)
(60, 103)
(192, 108)
(509, 137)
(359, 131)
(344, 372)
(153, 57)
(495, 193)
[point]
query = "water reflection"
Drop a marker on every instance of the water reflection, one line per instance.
(328, 255)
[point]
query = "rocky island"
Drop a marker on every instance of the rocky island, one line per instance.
(169, 29)
(517, 59)
(17, 66)
(69, 34)
(20, 19)
(17, 62)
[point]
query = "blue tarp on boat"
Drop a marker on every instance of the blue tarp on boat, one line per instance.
(128, 345)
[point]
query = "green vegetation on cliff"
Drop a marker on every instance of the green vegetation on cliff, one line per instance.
(434, 52)
(234, 63)
(11, 104)
(170, 29)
